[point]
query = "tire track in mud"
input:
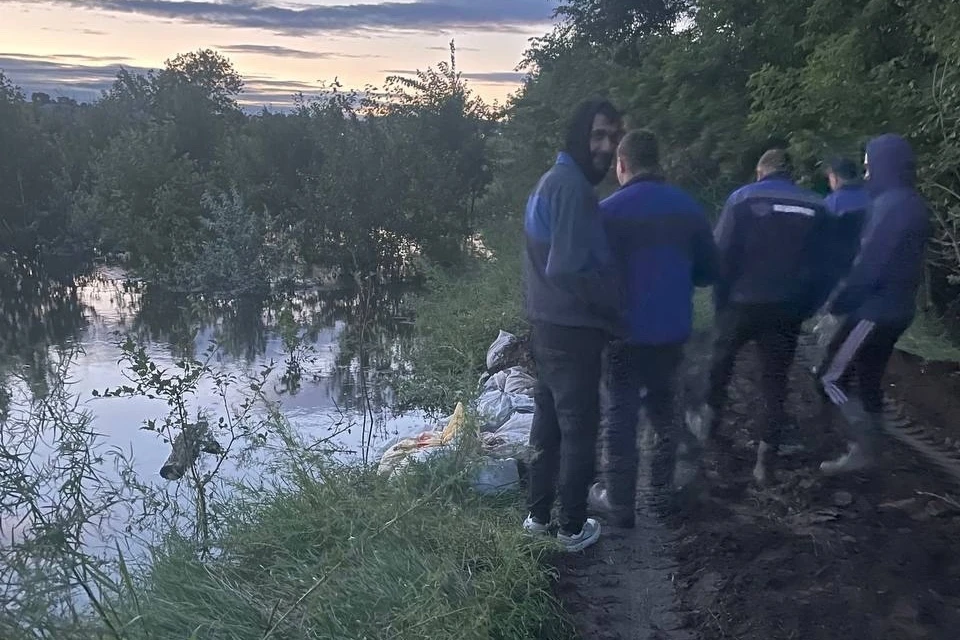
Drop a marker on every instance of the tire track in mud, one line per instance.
(898, 424)
(789, 561)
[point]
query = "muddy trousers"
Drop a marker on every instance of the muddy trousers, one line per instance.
(565, 421)
(775, 329)
(860, 349)
(631, 370)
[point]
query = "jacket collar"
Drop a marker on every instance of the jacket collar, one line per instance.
(646, 176)
(779, 175)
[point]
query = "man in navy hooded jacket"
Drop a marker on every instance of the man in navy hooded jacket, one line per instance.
(771, 237)
(572, 302)
(878, 298)
(663, 247)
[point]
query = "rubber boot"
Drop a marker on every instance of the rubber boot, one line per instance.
(860, 453)
(598, 500)
(760, 469)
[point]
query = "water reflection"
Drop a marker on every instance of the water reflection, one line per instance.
(331, 347)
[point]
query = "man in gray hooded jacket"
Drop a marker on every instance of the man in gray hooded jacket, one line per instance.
(573, 305)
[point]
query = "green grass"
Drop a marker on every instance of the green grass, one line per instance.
(342, 553)
(457, 320)
(928, 338)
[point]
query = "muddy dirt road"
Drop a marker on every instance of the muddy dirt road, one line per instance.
(872, 556)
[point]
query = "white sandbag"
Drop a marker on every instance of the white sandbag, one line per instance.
(494, 408)
(495, 476)
(496, 351)
(521, 403)
(517, 428)
(511, 440)
(519, 381)
(496, 382)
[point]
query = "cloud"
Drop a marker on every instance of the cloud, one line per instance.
(285, 52)
(258, 84)
(419, 15)
(64, 56)
(58, 76)
(495, 77)
(482, 77)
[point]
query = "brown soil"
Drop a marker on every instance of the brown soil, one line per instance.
(862, 557)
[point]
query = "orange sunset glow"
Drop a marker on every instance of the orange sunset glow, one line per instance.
(74, 48)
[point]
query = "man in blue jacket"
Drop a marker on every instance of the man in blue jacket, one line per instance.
(771, 237)
(878, 298)
(572, 302)
(663, 247)
(848, 204)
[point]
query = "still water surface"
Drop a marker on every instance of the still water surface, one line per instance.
(314, 330)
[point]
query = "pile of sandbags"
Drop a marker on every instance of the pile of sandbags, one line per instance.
(505, 405)
(505, 411)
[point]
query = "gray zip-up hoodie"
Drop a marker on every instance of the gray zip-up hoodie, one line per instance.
(567, 266)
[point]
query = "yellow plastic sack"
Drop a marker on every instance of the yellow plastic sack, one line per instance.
(397, 457)
(454, 426)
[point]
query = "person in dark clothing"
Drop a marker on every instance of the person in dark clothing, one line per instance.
(662, 247)
(847, 204)
(771, 238)
(878, 298)
(572, 302)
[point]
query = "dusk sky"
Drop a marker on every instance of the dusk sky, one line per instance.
(75, 47)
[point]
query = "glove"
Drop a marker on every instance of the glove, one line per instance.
(825, 329)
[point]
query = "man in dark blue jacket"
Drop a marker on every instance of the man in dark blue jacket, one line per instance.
(771, 237)
(573, 305)
(662, 247)
(848, 204)
(878, 298)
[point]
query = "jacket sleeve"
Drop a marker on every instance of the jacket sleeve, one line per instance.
(725, 236)
(579, 256)
(705, 257)
(870, 268)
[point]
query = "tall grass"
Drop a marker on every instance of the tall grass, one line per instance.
(458, 318)
(342, 553)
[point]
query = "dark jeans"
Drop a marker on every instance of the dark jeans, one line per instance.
(565, 421)
(861, 349)
(775, 329)
(631, 369)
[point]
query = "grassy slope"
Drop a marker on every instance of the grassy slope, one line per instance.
(342, 554)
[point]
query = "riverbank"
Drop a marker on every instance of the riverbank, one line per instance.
(329, 551)
(340, 552)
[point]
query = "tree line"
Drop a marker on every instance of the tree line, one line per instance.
(168, 172)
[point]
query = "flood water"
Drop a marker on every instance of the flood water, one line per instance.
(314, 332)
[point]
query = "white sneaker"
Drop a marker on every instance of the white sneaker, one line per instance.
(533, 528)
(587, 537)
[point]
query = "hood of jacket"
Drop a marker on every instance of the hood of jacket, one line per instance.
(577, 143)
(892, 164)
